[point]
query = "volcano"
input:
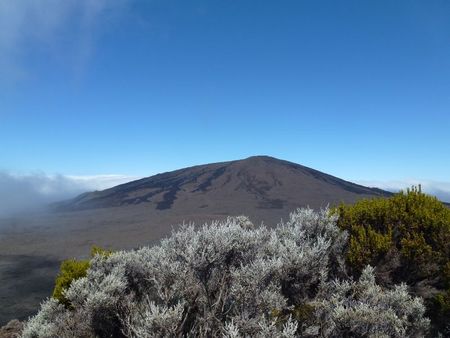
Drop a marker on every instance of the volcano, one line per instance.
(253, 186)
(263, 188)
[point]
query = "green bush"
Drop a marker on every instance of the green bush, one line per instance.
(413, 223)
(411, 226)
(367, 246)
(72, 269)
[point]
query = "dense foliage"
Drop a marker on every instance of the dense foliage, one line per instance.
(72, 269)
(407, 238)
(230, 279)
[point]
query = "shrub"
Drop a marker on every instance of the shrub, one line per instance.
(416, 224)
(411, 229)
(230, 279)
(367, 246)
(364, 309)
(72, 269)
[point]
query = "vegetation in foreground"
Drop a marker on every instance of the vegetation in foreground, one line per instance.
(231, 279)
(407, 239)
(72, 269)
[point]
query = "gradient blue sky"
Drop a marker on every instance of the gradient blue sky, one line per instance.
(358, 89)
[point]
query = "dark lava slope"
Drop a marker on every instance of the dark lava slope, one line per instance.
(236, 187)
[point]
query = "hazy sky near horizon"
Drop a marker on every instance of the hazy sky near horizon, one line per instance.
(357, 89)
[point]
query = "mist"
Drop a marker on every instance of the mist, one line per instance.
(21, 194)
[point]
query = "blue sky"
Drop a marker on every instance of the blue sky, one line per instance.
(358, 89)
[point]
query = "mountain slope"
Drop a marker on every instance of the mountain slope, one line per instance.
(255, 183)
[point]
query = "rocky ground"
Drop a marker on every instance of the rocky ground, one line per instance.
(11, 330)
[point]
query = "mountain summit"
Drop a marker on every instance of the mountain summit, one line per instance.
(258, 184)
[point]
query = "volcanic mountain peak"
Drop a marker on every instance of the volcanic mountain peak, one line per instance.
(260, 182)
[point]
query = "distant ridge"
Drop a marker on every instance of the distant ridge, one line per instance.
(242, 186)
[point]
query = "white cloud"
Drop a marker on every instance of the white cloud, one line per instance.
(100, 182)
(31, 191)
(65, 29)
(437, 188)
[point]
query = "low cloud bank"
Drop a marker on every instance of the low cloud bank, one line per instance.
(436, 188)
(33, 191)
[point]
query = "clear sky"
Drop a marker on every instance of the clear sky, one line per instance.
(359, 89)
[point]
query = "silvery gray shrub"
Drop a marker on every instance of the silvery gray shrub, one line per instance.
(231, 279)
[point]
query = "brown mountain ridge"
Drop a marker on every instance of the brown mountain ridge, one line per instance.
(255, 183)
